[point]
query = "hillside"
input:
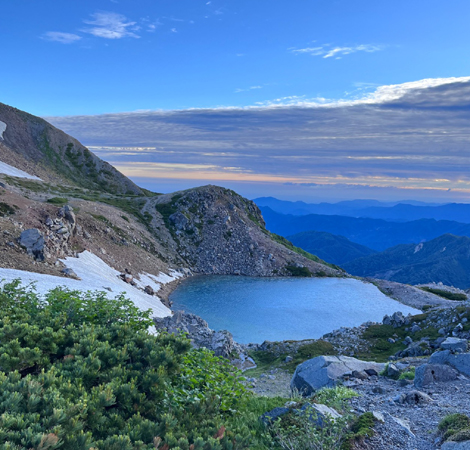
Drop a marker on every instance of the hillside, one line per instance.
(329, 247)
(376, 234)
(445, 259)
(33, 145)
(55, 207)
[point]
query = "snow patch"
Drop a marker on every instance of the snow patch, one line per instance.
(418, 247)
(14, 172)
(96, 275)
(3, 127)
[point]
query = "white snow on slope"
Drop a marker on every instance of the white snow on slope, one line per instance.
(3, 127)
(14, 172)
(96, 275)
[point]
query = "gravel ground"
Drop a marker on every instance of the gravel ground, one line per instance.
(380, 394)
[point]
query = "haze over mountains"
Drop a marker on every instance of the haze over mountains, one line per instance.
(404, 242)
(377, 234)
(330, 247)
(445, 259)
(406, 210)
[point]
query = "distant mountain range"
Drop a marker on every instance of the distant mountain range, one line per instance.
(376, 234)
(445, 259)
(329, 247)
(399, 211)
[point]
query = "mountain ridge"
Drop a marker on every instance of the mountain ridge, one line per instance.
(377, 234)
(444, 259)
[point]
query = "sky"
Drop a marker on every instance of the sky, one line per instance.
(316, 100)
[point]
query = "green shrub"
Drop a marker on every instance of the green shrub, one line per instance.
(445, 294)
(335, 397)
(452, 424)
(6, 209)
(361, 428)
(58, 201)
(299, 271)
(297, 431)
(81, 371)
(408, 375)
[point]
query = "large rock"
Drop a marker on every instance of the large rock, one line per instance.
(431, 373)
(459, 361)
(455, 345)
(33, 241)
(326, 371)
(271, 416)
(221, 342)
(318, 413)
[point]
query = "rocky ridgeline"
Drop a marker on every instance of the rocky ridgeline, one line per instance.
(220, 232)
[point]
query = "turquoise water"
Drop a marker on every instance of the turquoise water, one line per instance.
(275, 309)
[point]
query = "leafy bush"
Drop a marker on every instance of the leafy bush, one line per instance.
(6, 209)
(57, 200)
(299, 271)
(361, 428)
(81, 371)
(453, 424)
(335, 397)
(408, 375)
(298, 431)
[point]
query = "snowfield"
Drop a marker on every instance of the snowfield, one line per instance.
(96, 275)
(14, 172)
(3, 127)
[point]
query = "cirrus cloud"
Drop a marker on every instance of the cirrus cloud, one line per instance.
(63, 38)
(329, 51)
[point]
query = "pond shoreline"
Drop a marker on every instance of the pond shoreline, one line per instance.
(281, 308)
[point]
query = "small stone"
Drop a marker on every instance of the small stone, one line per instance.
(69, 272)
(361, 375)
(149, 290)
(392, 371)
(288, 359)
(127, 277)
(408, 340)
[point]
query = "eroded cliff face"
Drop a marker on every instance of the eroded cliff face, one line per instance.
(219, 232)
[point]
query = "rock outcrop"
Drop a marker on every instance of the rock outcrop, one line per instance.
(327, 371)
(219, 232)
(201, 336)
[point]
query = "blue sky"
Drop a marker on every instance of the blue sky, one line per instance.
(83, 59)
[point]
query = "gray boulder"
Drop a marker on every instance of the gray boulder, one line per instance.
(417, 398)
(326, 371)
(459, 361)
(431, 373)
(455, 345)
(318, 413)
(271, 416)
(33, 241)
